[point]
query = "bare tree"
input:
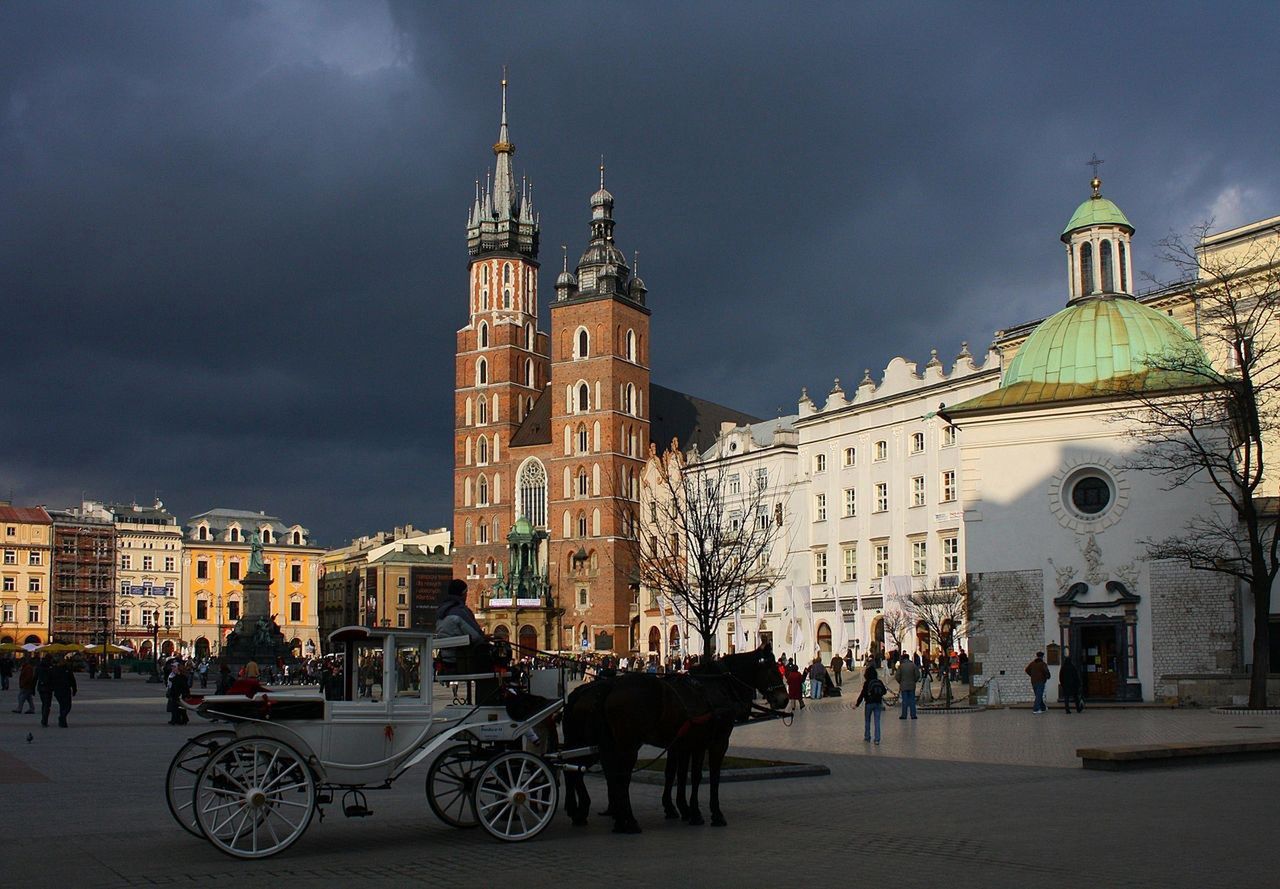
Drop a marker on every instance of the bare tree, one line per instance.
(1216, 424)
(705, 538)
(897, 625)
(947, 613)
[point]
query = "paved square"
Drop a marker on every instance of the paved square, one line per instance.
(989, 799)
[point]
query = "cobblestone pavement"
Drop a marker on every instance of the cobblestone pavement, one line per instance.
(989, 799)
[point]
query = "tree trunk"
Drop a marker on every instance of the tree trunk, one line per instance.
(1261, 642)
(708, 642)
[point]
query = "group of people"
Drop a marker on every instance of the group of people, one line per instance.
(52, 679)
(1070, 684)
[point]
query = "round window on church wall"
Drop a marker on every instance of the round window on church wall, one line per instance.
(1090, 494)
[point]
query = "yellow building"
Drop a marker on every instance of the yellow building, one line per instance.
(24, 573)
(148, 575)
(216, 556)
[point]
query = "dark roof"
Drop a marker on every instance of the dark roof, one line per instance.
(536, 428)
(672, 414)
(694, 421)
(32, 514)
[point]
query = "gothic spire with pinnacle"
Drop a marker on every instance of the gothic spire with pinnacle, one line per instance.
(503, 217)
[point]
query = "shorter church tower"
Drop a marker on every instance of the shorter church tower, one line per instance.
(599, 434)
(1099, 255)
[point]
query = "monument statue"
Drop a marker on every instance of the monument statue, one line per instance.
(255, 554)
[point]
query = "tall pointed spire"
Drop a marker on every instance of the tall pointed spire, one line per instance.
(505, 220)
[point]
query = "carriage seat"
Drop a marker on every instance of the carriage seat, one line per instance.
(265, 705)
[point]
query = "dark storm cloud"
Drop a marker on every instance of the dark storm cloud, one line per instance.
(231, 245)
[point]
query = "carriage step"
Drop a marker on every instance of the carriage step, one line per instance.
(357, 811)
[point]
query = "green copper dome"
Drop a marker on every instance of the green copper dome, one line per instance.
(522, 527)
(1095, 211)
(1097, 347)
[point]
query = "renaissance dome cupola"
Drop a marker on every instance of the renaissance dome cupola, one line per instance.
(603, 269)
(1099, 252)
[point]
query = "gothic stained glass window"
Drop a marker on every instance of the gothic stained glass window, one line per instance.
(532, 486)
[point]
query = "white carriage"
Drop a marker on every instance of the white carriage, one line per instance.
(253, 787)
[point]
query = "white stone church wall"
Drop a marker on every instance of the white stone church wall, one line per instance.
(1011, 630)
(1193, 624)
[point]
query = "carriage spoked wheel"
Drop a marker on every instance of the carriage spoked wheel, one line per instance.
(180, 780)
(450, 782)
(254, 797)
(515, 796)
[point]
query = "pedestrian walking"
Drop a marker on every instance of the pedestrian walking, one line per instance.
(1069, 684)
(63, 683)
(224, 679)
(795, 689)
(6, 672)
(1038, 670)
(27, 685)
(44, 675)
(908, 674)
(817, 678)
(179, 688)
(873, 691)
(204, 673)
(837, 668)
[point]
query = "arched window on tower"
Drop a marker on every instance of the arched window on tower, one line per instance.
(482, 372)
(629, 398)
(528, 373)
(484, 288)
(631, 345)
(506, 285)
(584, 344)
(528, 337)
(1086, 269)
(582, 438)
(482, 451)
(584, 397)
(506, 297)
(1108, 269)
(484, 335)
(482, 492)
(1124, 269)
(532, 486)
(482, 411)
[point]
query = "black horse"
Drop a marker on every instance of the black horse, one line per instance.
(618, 715)
(730, 685)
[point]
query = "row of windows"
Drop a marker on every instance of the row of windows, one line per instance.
(34, 557)
(233, 571)
(527, 302)
(578, 400)
(235, 535)
(9, 614)
(950, 544)
(34, 585)
(1088, 282)
(628, 347)
(127, 588)
(148, 563)
(849, 456)
(233, 612)
(529, 380)
(483, 454)
(482, 336)
(919, 496)
(733, 481)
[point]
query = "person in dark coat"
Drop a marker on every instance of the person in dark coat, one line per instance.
(224, 679)
(179, 688)
(62, 681)
(1069, 682)
(44, 677)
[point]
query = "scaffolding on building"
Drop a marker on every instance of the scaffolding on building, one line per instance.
(84, 579)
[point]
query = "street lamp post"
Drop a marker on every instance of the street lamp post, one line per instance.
(155, 651)
(102, 667)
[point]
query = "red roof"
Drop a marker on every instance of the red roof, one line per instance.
(30, 514)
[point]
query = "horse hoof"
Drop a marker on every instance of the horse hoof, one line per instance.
(579, 822)
(718, 821)
(672, 814)
(605, 814)
(626, 827)
(695, 820)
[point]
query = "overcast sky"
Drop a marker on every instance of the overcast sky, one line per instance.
(232, 247)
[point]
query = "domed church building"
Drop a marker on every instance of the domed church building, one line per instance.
(1056, 514)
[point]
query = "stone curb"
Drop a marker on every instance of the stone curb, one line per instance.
(765, 773)
(1245, 711)
(943, 711)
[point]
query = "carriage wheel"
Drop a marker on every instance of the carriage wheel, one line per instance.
(180, 780)
(516, 795)
(450, 781)
(255, 797)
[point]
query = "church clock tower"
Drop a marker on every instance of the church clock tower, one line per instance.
(501, 364)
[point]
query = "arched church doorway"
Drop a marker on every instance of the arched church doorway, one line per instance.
(528, 641)
(655, 640)
(824, 641)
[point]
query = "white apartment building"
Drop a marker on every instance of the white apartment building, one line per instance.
(148, 575)
(880, 472)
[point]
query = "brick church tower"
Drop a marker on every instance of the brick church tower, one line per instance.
(599, 433)
(501, 364)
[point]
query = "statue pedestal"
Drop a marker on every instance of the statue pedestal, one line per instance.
(256, 637)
